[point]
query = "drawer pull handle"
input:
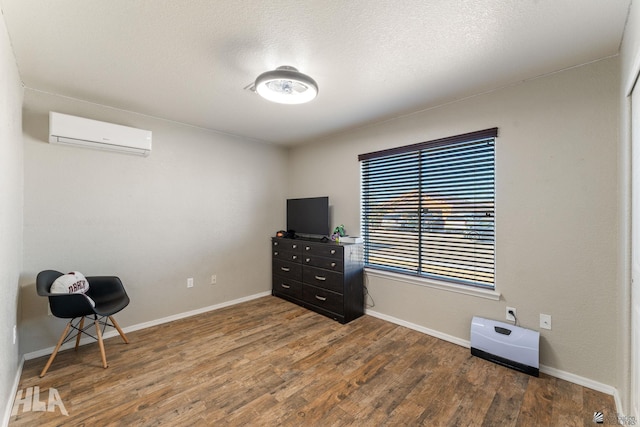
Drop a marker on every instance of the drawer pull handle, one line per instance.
(275, 243)
(294, 246)
(333, 251)
(307, 248)
(333, 264)
(285, 269)
(321, 278)
(307, 260)
(286, 286)
(294, 257)
(275, 253)
(318, 297)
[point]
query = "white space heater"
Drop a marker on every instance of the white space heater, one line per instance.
(508, 345)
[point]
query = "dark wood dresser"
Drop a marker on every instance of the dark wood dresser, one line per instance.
(325, 277)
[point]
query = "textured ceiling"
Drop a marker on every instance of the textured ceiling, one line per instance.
(190, 60)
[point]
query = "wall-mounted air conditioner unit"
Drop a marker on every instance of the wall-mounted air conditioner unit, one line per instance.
(81, 132)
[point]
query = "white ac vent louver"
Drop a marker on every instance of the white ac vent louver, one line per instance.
(78, 131)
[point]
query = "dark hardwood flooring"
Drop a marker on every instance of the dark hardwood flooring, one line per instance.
(268, 362)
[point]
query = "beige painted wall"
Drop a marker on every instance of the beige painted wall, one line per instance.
(11, 184)
(202, 203)
(556, 210)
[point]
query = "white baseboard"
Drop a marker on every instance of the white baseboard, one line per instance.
(14, 389)
(577, 379)
(112, 333)
(563, 375)
(419, 328)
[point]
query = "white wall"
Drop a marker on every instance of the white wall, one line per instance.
(556, 211)
(11, 185)
(202, 203)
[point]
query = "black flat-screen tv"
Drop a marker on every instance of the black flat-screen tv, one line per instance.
(308, 216)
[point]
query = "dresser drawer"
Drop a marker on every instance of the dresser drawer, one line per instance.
(286, 255)
(288, 269)
(332, 264)
(289, 245)
(284, 286)
(323, 298)
(323, 250)
(321, 278)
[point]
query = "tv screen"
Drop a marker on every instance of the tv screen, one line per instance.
(308, 216)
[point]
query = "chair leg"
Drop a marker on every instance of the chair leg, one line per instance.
(55, 351)
(101, 344)
(115, 324)
(79, 333)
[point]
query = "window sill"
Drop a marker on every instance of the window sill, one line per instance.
(435, 284)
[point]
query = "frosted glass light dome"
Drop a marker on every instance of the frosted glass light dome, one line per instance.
(286, 85)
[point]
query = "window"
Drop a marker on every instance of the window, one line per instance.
(428, 209)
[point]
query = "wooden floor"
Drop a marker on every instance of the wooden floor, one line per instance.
(268, 362)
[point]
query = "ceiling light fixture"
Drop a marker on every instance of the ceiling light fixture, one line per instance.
(286, 85)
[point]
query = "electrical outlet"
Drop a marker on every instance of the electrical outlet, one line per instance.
(190, 282)
(545, 321)
(214, 279)
(509, 315)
